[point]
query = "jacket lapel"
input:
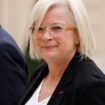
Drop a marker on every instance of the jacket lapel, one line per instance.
(65, 82)
(38, 76)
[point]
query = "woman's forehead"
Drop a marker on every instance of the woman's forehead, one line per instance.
(58, 13)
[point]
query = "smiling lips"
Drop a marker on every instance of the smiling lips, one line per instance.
(48, 47)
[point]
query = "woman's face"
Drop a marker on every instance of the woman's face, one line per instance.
(56, 39)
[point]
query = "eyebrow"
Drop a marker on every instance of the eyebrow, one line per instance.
(54, 23)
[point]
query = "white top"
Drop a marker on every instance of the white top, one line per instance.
(34, 98)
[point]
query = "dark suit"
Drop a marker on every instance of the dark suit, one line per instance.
(81, 84)
(13, 70)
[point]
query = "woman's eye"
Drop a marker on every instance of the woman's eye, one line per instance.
(56, 28)
(41, 29)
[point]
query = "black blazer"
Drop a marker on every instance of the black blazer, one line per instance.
(13, 70)
(82, 83)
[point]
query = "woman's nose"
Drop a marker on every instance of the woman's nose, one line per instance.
(47, 35)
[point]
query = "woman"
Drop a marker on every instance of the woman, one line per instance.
(60, 34)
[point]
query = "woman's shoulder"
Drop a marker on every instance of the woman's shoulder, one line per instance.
(90, 68)
(88, 73)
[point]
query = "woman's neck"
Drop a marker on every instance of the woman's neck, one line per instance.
(57, 68)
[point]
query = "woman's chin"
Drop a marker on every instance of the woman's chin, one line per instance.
(49, 56)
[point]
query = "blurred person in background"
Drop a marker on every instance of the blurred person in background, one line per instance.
(13, 70)
(60, 34)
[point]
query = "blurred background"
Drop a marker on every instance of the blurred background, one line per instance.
(14, 14)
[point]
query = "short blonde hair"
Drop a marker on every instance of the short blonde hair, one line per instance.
(40, 9)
